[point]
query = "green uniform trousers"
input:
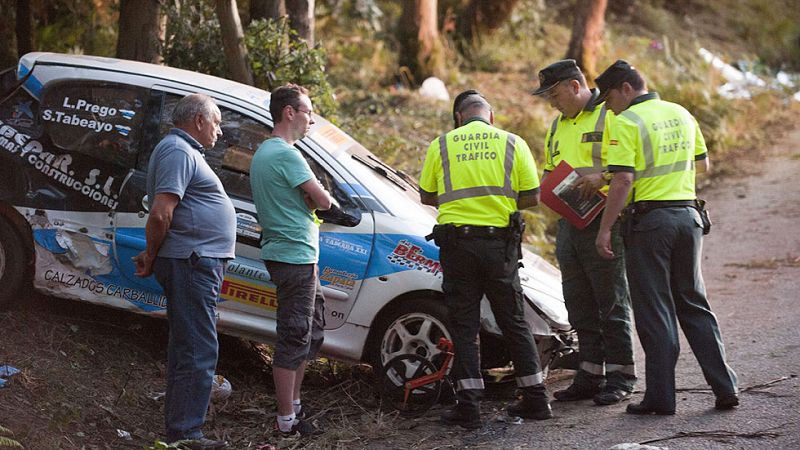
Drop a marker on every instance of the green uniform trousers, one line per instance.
(596, 294)
(664, 250)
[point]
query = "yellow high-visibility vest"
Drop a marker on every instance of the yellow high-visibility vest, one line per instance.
(661, 141)
(477, 172)
(578, 140)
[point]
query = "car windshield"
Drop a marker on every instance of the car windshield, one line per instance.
(395, 190)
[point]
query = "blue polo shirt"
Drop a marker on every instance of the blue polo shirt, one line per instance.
(204, 221)
(289, 233)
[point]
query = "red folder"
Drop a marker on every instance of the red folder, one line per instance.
(560, 193)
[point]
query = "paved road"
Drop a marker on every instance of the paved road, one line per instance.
(752, 271)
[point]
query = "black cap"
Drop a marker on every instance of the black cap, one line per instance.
(549, 77)
(613, 77)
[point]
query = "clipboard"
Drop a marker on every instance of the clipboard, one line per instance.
(560, 193)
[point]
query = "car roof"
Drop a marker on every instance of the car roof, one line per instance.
(232, 88)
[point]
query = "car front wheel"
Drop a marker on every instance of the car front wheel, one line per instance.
(414, 328)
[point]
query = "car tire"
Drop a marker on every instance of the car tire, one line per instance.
(402, 369)
(12, 263)
(414, 327)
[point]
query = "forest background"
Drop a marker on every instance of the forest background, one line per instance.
(364, 59)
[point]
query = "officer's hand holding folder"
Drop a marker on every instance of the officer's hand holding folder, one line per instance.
(560, 193)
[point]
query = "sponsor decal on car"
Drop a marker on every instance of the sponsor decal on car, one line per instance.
(57, 167)
(338, 278)
(22, 115)
(412, 256)
(249, 294)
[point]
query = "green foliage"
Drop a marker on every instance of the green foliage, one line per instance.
(7, 442)
(396, 127)
(772, 29)
(75, 27)
(277, 57)
(193, 39)
(362, 57)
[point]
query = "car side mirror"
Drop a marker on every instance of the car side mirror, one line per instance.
(347, 217)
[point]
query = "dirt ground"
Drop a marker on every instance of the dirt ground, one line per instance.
(91, 377)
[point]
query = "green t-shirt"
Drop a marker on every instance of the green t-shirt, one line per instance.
(289, 233)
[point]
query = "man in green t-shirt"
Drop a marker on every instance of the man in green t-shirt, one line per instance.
(286, 193)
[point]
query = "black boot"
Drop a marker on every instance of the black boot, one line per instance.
(584, 386)
(533, 404)
(464, 415)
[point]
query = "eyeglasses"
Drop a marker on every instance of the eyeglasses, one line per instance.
(301, 110)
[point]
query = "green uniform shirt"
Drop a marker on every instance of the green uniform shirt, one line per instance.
(289, 233)
(659, 142)
(578, 140)
(478, 171)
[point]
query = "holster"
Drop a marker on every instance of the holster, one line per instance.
(627, 219)
(442, 234)
(700, 206)
(514, 244)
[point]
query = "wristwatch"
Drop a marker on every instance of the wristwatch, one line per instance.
(607, 176)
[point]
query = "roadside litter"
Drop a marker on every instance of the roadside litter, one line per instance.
(6, 372)
(220, 389)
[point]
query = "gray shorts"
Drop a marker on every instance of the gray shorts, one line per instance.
(301, 313)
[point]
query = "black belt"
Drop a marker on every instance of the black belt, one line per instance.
(643, 207)
(481, 231)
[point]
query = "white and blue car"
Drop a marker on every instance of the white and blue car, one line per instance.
(76, 133)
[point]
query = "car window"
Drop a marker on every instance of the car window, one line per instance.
(334, 187)
(96, 118)
(230, 158)
(17, 107)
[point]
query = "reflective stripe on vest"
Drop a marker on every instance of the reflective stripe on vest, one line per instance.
(450, 195)
(650, 169)
(597, 147)
(550, 141)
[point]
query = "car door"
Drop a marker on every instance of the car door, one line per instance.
(230, 159)
(90, 135)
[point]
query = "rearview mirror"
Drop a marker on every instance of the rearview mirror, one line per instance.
(347, 217)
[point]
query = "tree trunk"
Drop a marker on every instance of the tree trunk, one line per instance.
(267, 9)
(8, 52)
(142, 26)
(301, 19)
(421, 49)
(482, 17)
(233, 41)
(587, 35)
(24, 27)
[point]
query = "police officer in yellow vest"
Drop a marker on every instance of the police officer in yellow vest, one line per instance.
(595, 289)
(654, 149)
(479, 176)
